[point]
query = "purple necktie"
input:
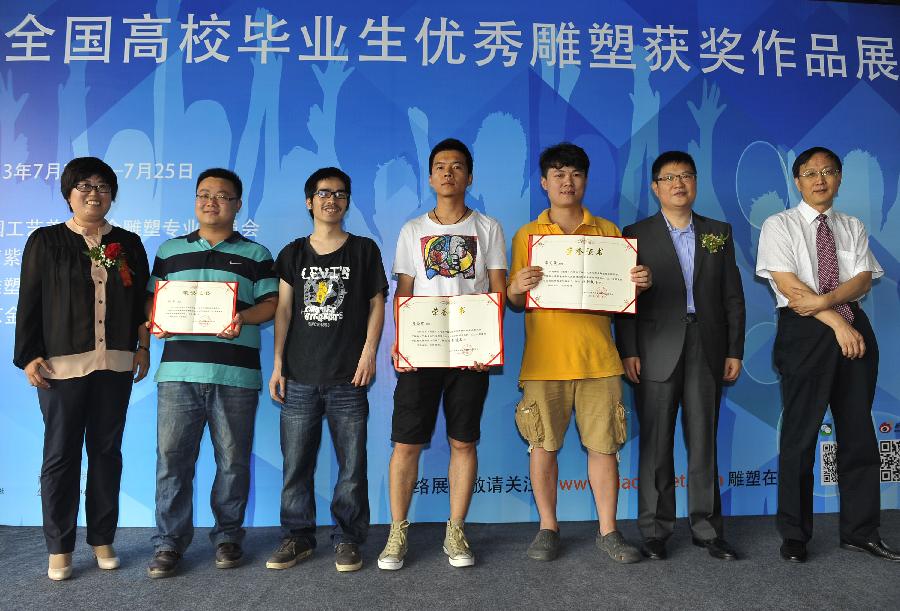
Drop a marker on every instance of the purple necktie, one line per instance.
(828, 265)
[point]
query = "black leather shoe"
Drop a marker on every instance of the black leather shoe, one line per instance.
(793, 550)
(163, 564)
(878, 549)
(717, 548)
(228, 555)
(655, 549)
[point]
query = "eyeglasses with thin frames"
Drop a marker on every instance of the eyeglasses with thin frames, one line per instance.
(686, 177)
(826, 173)
(325, 194)
(218, 197)
(86, 187)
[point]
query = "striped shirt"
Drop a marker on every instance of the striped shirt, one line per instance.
(684, 242)
(207, 358)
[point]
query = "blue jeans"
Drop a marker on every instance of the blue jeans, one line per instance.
(184, 408)
(347, 409)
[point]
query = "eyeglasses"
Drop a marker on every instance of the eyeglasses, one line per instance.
(325, 194)
(86, 187)
(686, 177)
(218, 198)
(823, 173)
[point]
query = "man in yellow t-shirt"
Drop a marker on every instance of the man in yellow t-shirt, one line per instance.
(570, 360)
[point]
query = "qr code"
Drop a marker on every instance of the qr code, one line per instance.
(890, 459)
(828, 463)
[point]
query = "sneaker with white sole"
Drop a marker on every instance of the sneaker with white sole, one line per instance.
(290, 551)
(456, 547)
(347, 557)
(391, 557)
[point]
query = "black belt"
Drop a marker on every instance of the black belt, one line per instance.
(689, 317)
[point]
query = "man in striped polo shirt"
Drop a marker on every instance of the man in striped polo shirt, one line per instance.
(214, 379)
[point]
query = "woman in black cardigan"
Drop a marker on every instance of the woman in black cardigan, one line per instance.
(81, 341)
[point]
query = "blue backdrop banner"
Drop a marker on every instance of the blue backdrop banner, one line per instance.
(163, 90)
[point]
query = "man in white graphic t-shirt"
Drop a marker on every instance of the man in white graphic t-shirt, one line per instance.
(451, 250)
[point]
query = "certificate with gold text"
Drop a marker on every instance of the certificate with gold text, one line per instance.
(583, 272)
(450, 331)
(193, 307)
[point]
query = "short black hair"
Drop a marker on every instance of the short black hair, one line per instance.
(224, 174)
(82, 168)
(671, 157)
(451, 144)
(562, 155)
(312, 183)
(808, 154)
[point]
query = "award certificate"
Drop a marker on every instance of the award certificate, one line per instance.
(450, 331)
(583, 272)
(193, 307)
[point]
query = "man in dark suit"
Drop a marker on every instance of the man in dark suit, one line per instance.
(686, 339)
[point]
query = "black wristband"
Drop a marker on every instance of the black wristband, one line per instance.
(147, 348)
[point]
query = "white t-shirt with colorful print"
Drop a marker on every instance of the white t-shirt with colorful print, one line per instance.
(450, 259)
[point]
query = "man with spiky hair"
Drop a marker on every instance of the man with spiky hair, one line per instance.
(450, 250)
(570, 362)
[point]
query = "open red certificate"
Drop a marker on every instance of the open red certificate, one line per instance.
(193, 307)
(583, 272)
(450, 331)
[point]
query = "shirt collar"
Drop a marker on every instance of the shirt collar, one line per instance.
(688, 229)
(195, 235)
(71, 224)
(810, 214)
(586, 219)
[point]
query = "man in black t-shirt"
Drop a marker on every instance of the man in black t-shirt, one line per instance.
(327, 327)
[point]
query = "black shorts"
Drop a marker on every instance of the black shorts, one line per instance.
(418, 395)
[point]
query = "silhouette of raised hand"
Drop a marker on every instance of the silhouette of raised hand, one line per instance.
(335, 74)
(709, 110)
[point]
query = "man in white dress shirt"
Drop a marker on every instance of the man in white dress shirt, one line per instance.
(819, 264)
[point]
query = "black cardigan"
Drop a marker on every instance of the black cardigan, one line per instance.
(55, 315)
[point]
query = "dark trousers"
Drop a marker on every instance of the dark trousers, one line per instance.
(693, 385)
(814, 375)
(87, 411)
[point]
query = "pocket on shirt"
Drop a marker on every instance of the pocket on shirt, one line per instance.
(846, 264)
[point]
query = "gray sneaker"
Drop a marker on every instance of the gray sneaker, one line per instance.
(391, 558)
(545, 545)
(457, 547)
(618, 548)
